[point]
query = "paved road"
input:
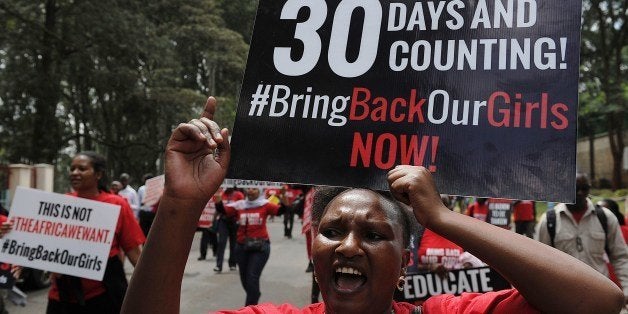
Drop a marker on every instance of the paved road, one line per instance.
(283, 280)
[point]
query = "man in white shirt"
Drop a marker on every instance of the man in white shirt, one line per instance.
(146, 214)
(580, 233)
(130, 194)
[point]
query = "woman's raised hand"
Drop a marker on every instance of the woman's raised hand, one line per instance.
(414, 186)
(197, 157)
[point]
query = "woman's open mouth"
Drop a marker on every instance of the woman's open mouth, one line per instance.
(348, 279)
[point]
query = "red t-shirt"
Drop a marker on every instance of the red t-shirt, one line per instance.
(128, 236)
(477, 210)
(291, 195)
(624, 232)
(316, 308)
(524, 211)
(436, 249)
(611, 269)
(232, 197)
(252, 220)
(504, 301)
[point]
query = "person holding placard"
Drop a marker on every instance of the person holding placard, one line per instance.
(69, 294)
(360, 247)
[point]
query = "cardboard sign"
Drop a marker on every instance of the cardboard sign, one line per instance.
(482, 93)
(59, 233)
(421, 286)
(154, 190)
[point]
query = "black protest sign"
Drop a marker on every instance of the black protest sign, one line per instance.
(483, 93)
(421, 286)
(499, 212)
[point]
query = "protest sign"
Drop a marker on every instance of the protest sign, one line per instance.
(207, 216)
(499, 212)
(482, 93)
(421, 286)
(59, 233)
(154, 189)
(244, 184)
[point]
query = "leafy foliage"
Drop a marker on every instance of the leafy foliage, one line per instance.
(111, 76)
(603, 100)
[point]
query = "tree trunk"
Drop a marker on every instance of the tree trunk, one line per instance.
(46, 128)
(592, 157)
(616, 140)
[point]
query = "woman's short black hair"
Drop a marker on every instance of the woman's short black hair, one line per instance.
(400, 213)
(99, 163)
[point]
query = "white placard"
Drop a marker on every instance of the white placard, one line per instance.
(60, 233)
(154, 189)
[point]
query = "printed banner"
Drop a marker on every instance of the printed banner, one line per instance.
(243, 184)
(59, 233)
(154, 189)
(421, 286)
(482, 93)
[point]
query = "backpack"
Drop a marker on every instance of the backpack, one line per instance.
(551, 225)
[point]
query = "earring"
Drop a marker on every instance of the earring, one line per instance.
(315, 278)
(402, 279)
(401, 283)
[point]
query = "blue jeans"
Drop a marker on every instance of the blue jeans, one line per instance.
(250, 265)
(226, 231)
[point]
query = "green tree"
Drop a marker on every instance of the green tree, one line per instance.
(604, 40)
(111, 76)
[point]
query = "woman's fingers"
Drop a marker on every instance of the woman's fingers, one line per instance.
(213, 129)
(210, 108)
(204, 129)
(187, 131)
(224, 150)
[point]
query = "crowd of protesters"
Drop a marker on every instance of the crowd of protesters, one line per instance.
(239, 214)
(595, 234)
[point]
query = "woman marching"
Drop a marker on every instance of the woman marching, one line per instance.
(253, 243)
(69, 294)
(360, 247)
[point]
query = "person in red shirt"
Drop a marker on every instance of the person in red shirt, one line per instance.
(479, 209)
(614, 207)
(251, 214)
(524, 213)
(69, 294)
(291, 196)
(361, 244)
